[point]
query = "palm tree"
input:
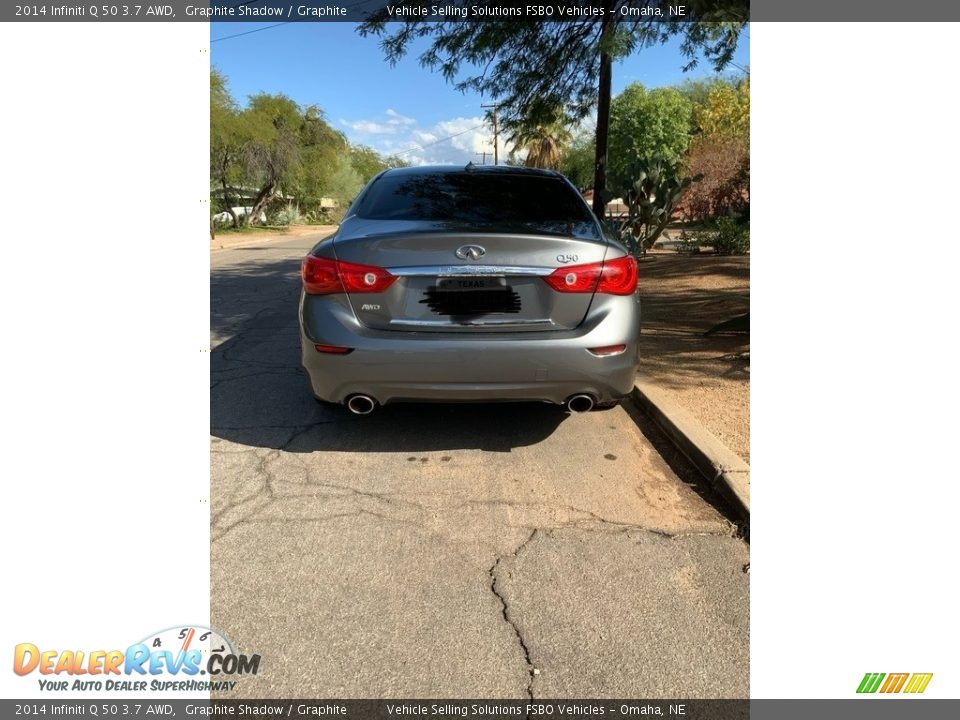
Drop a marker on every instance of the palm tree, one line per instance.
(544, 141)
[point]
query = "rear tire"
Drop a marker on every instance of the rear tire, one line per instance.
(607, 405)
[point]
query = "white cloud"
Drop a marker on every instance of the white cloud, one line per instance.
(398, 119)
(370, 127)
(456, 141)
(393, 123)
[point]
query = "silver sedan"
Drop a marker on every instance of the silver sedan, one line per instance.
(469, 284)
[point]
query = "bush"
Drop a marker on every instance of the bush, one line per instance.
(334, 215)
(289, 215)
(690, 243)
(731, 237)
(222, 220)
(324, 216)
(725, 185)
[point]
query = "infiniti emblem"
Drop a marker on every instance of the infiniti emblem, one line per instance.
(470, 252)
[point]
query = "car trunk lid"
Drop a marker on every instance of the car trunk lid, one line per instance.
(449, 281)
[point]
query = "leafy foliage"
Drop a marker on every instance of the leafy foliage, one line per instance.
(227, 140)
(726, 235)
(278, 151)
(369, 163)
(725, 112)
(725, 187)
(646, 125)
(731, 238)
(654, 187)
(577, 161)
(544, 141)
(344, 183)
(287, 215)
(533, 67)
(272, 151)
(720, 152)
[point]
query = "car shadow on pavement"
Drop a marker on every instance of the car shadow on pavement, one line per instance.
(259, 395)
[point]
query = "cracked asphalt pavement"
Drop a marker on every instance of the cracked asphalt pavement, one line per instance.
(502, 551)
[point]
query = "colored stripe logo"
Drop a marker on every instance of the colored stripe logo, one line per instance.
(894, 683)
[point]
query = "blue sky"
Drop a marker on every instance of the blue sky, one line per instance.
(392, 109)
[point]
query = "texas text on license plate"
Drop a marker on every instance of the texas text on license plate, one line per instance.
(471, 283)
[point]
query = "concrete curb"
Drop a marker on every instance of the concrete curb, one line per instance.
(724, 469)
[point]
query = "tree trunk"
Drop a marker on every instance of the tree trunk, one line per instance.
(657, 231)
(263, 199)
(226, 200)
(603, 119)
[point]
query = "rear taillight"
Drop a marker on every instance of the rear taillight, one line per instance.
(614, 277)
(619, 276)
(575, 279)
(364, 278)
(322, 276)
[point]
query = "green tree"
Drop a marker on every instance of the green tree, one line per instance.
(396, 161)
(272, 153)
(345, 182)
(284, 151)
(227, 141)
(696, 90)
(577, 162)
(532, 67)
(724, 113)
(647, 124)
(368, 162)
(720, 151)
(322, 150)
(543, 140)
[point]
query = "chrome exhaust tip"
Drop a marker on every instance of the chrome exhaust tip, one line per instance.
(361, 404)
(580, 403)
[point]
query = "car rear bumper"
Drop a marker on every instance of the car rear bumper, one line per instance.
(392, 366)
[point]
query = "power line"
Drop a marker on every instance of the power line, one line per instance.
(250, 32)
(289, 22)
(437, 142)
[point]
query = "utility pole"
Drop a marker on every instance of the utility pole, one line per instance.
(603, 116)
(483, 157)
(496, 131)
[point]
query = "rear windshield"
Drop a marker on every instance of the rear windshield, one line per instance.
(485, 199)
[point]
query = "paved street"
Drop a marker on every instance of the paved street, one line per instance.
(451, 551)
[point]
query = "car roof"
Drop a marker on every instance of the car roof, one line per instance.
(470, 167)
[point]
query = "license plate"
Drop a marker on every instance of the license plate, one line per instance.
(471, 283)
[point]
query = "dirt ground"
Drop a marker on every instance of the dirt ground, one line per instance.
(225, 240)
(684, 296)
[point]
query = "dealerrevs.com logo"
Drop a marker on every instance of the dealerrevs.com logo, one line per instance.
(183, 658)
